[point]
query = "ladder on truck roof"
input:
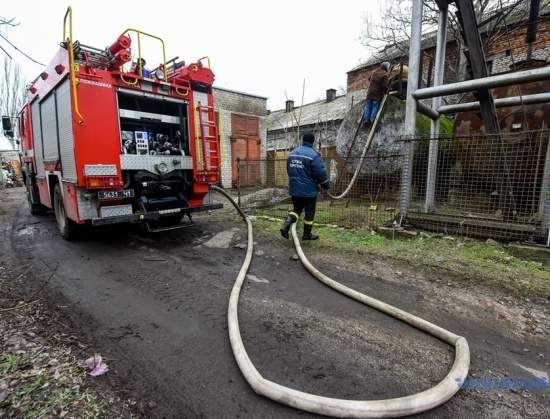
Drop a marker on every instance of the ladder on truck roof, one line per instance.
(209, 161)
(90, 56)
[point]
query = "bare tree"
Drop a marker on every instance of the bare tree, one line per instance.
(12, 88)
(294, 138)
(387, 36)
(12, 83)
(4, 23)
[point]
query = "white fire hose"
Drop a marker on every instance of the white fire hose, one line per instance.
(363, 153)
(396, 407)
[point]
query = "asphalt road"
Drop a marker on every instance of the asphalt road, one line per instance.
(155, 306)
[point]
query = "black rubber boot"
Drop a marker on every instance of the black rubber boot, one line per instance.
(285, 228)
(307, 233)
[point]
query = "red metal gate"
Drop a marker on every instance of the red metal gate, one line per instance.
(245, 145)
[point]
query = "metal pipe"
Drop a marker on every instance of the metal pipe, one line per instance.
(499, 103)
(439, 74)
(544, 201)
(426, 110)
(138, 32)
(410, 111)
(518, 77)
(72, 68)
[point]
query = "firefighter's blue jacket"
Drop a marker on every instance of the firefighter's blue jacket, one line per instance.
(305, 172)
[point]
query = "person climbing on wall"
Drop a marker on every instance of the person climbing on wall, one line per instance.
(376, 91)
(306, 172)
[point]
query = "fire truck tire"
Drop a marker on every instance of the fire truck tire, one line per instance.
(37, 209)
(67, 228)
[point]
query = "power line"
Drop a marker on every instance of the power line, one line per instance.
(6, 52)
(9, 22)
(17, 49)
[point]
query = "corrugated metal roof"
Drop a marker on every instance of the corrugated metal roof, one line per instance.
(311, 114)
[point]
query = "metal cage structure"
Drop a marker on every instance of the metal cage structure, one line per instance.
(499, 144)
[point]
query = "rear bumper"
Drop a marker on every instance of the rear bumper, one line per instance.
(140, 217)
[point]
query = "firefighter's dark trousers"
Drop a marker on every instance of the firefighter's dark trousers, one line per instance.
(302, 204)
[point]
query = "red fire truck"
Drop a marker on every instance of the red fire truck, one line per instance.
(104, 140)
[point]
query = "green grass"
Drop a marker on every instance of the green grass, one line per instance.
(44, 394)
(11, 363)
(32, 387)
(63, 400)
(470, 260)
(351, 216)
(40, 395)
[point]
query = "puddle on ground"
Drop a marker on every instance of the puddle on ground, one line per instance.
(26, 231)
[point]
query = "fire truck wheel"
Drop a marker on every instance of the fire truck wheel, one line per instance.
(67, 228)
(36, 209)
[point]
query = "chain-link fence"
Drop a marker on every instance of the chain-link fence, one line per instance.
(262, 188)
(486, 186)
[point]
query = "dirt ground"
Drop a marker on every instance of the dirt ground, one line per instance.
(155, 306)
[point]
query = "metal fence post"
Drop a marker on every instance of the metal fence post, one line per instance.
(544, 197)
(439, 73)
(410, 111)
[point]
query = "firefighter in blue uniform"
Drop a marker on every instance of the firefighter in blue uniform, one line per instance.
(306, 172)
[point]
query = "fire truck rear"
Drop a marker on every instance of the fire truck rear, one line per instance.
(104, 141)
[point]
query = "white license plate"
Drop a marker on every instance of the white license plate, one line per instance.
(126, 193)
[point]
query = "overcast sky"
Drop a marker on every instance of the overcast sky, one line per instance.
(258, 47)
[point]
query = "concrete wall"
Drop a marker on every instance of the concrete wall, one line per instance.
(228, 102)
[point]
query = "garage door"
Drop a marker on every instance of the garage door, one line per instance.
(245, 145)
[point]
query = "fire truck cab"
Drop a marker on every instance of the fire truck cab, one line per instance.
(105, 142)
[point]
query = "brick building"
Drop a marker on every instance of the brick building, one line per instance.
(499, 52)
(242, 129)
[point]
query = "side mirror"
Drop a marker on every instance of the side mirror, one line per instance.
(7, 126)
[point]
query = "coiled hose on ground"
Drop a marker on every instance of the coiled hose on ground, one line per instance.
(396, 407)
